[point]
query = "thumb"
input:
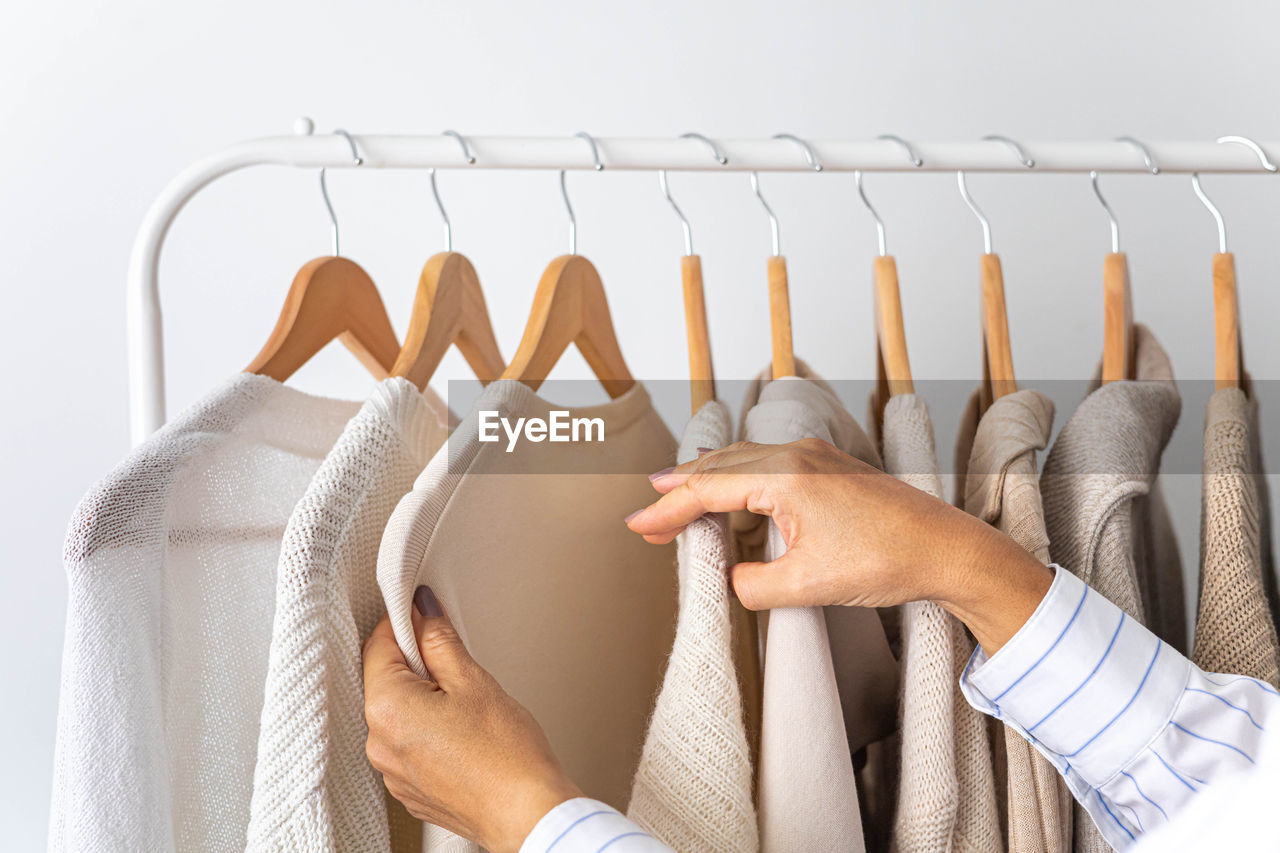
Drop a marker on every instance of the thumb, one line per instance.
(780, 583)
(448, 662)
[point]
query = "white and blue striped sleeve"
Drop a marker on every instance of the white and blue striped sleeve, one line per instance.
(589, 826)
(1133, 725)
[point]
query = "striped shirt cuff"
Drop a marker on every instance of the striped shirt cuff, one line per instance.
(589, 826)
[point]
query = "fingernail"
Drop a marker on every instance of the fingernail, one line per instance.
(660, 474)
(427, 603)
(627, 520)
(702, 450)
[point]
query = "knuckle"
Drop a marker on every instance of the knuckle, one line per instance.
(380, 713)
(440, 636)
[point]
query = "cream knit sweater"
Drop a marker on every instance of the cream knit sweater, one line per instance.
(1234, 629)
(171, 569)
(693, 788)
(313, 787)
(996, 460)
(946, 797)
(1105, 515)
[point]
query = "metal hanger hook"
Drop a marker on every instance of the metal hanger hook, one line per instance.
(982, 220)
(773, 219)
(564, 191)
(1252, 146)
(1213, 209)
(857, 179)
(1147, 157)
(810, 157)
(1017, 149)
(1115, 226)
(435, 191)
(324, 190)
(666, 188)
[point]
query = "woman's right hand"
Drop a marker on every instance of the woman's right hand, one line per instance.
(854, 536)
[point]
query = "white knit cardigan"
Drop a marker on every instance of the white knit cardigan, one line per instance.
(313, 786)
(693, 788)
(171, 565)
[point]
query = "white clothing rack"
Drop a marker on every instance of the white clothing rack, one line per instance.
(146, 350)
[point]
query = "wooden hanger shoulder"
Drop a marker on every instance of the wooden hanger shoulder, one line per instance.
(1117, 320)
(702, 386)
(784, 357)
(1226, 322)
(449, 309)
(998, 377)
(570, 307)
(331, 297)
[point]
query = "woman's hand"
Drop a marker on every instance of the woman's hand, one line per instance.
(457, 751)
(854, 536)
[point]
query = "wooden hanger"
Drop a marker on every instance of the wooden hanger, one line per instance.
(1227, 371)
(784, 358)
(569, 307)
(331, 297)
(997, 349)
(893, 367)
(449, 309)
(1117, 320)
(702, 383)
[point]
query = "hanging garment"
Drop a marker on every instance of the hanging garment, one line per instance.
(996, 461)
(693, 789)
(171, 569)
(1104, 510)
(572, 612)
(830, 679)
(313, 787)
(1234, 628)
(946, 796)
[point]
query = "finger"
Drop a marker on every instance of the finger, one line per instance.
(780, 583)
(735, 454)
(448, 662)
(382, 654)
(723, 490)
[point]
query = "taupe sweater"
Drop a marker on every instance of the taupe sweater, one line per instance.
(1106, 519)
(996, 460)
(1234, 628)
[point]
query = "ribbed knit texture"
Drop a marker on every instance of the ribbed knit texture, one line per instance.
(313, 786)
(1000, 486)
(943, 739)
(830, 679)
(1234, 630)
(1103, 508)
(171, 567)
(693, 788)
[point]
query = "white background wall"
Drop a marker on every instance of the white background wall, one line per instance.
(102, 103)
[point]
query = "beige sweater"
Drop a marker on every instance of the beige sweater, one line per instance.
(1105, 515)
(997, 463)
(693, 788)
(1234, 629)
(946, 798)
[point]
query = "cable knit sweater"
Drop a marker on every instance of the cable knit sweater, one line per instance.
(693, 788)
(946, 797)
(313, 787)
(1234, 629)
(1105, 514)
(171, 568)
(996, 460)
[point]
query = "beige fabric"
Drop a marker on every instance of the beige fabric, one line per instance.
(1000, 486)
(693, 789)
(570, 611)
(313, 787)
(1105, 515)
(1234, 632)
(830, 680)
(946, 798)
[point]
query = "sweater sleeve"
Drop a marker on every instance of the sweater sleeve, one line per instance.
(1134, 726)
(589, 826)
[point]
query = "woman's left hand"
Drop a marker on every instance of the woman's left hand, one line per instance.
(458, 751)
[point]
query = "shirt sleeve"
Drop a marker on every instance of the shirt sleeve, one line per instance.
(589, 826)
(1134, 727)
